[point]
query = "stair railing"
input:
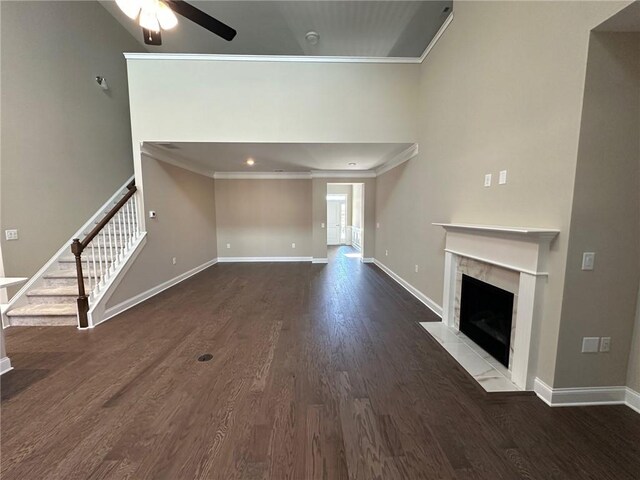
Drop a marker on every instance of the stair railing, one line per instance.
(106, 245)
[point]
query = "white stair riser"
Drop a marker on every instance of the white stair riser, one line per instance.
(45, 320)
(65, 282)
(40, 299)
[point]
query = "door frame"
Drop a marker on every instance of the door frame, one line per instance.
(342, 200)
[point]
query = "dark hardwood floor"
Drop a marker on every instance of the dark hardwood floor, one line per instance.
(318, 372)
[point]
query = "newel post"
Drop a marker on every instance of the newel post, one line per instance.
(83, 301)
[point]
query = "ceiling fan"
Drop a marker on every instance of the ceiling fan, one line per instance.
(156, 15)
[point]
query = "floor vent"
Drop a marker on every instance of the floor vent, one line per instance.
(205, 357)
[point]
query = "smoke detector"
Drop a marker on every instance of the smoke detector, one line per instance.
(312, 37)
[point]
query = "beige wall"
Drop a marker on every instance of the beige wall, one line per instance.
(320, 214)
(65, 143)
(262, 218)
(185, 228)
(605, 217)
(502, 89)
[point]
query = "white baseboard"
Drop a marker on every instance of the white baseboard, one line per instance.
(319, 260)
(264, 259)
(5, 365)
(632, 399)
(584, 396)
(141, 297)
(433, 306)
(368, 260)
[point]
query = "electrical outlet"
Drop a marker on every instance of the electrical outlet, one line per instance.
(228, 245)
(590, 344)
(386, 253)
(11, 234)
(588, 260)
(502, 179)
(378, 225)
(322, 224)
(487, 180)
(174, 261)
(416, 268)
(293, 245)
(605, 344)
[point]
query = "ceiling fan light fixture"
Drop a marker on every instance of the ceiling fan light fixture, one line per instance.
(166, 17)
(131, 8)
(149, 20)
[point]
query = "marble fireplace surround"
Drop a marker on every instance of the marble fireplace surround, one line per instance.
(512, 258)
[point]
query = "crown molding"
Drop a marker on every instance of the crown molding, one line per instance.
(206, 57)
(436, 37)
(399, 159)
(162, 155)
(262, 176)
(343, 174)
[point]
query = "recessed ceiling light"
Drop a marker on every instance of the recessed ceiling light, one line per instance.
(352, 164)
(250, 161)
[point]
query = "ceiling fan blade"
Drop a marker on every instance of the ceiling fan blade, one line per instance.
(204, 20)
(151, 37)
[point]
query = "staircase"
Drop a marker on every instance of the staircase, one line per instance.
(69, 282)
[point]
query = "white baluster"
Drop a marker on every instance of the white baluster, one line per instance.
(88, 274)
(136, 215)
(121, 255)
(127, 223)
(95, 270)
(99, 260)
(130, 213)
(111, 258)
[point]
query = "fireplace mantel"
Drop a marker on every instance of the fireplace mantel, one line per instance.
(531, 232)
(521, 249)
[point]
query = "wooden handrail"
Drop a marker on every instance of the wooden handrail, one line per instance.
(112, 213)
(77, 247)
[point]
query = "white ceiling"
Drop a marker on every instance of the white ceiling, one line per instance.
(346, 28)
(289, 157)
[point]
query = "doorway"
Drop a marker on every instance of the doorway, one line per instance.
(336, 219)
(345, 218)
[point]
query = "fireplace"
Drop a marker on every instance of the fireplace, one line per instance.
(496, 250)
(486, 315)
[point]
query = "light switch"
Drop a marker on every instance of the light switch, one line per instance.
(487, 180)
(293, 245)
(503, 177)
(590, 344)
(228, 245)
(605, 344)
(588, 260)
(378, 225)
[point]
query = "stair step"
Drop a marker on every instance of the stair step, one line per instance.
(44, 314)
(53, 294)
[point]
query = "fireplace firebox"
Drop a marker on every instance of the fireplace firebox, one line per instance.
(486, 315)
